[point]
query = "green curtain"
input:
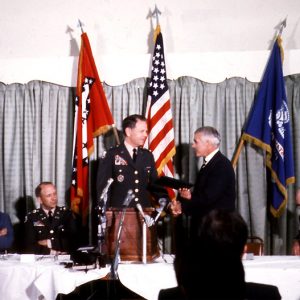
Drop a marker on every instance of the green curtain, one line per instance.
(36, 132)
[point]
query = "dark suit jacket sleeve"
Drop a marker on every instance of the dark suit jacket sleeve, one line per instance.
(259, 291)
(30, 239)
(171, 294)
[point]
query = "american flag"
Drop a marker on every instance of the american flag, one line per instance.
(92, 118)
(159, 114)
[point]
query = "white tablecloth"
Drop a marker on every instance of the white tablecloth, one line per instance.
(282, 271)
(42, 279)
(45, 278)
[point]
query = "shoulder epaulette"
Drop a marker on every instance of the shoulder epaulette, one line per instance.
(62, 208)
(146, 150)
(33, 212)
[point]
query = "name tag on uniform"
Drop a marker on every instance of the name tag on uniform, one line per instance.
(38, 223)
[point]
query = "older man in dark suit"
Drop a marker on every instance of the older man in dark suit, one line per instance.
(215, 183)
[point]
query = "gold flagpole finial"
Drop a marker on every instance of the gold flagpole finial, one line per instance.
(156, 14)
(279, 39)
(282, 26)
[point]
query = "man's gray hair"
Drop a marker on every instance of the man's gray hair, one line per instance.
(211, 134)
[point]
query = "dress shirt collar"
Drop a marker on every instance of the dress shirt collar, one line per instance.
(210, 156)
(47, 211)
(129, 148)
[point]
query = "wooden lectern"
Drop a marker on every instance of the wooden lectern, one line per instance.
(131, 243)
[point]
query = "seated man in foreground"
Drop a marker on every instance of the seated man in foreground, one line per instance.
(50, 229)
(210, 265)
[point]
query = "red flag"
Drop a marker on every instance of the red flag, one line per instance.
(92, 118)
(159, 114)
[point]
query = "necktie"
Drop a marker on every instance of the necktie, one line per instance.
(50, 216)
(134, 154)
(204, 164)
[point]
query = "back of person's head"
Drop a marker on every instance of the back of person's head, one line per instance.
(211, 267)
(130, 121)
(223, 232)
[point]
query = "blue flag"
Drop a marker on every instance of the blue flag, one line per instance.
(268, 127)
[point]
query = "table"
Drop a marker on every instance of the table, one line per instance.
(43, 279)
(282, 271)
(46, 278)
(148, 279)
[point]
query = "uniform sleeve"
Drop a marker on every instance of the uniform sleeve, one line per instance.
(67, 234)
(7, 240)
(30, 238)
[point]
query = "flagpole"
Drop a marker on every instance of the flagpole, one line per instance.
(156, 14)
(116, 134)
(237, 153)
(282, 26)
(80, 24)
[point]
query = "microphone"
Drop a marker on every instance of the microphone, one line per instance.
(130, 195)
(105, 190)
(147, 219)
(162, 203)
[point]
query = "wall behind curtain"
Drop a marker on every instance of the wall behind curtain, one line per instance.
(36, 132)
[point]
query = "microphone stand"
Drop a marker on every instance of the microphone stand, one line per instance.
(102, 250)
(101, 233)
(144, 243)
(115, 262)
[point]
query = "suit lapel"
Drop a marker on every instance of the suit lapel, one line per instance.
(211, 163)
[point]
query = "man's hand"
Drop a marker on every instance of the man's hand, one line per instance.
(43, 243)
(185, 193)
(296, 248)
(175, 208)
(3, 231)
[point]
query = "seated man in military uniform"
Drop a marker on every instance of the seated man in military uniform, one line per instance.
(50, 229)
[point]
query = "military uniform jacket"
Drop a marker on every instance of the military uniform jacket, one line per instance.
(61, 231)
(137, 176)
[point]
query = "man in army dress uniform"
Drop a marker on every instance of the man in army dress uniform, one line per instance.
(49, 229)
(131, 167)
